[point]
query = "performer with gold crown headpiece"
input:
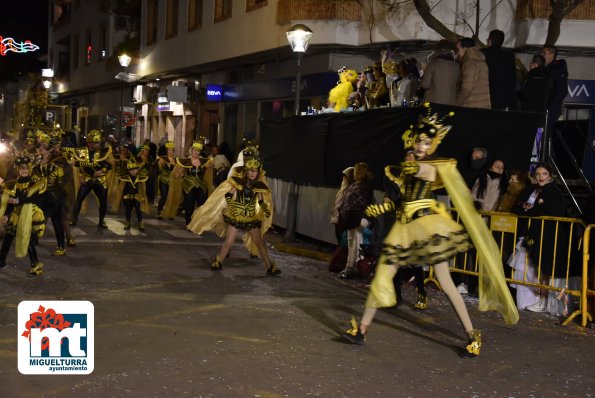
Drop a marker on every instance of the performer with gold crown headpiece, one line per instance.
(191, 184)
(23, 218)
(424, 233)
(166, 165)
(52, 166)
(93, 164)
(242, 202)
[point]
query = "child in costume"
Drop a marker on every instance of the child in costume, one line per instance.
(424, 233)
(23, 218)
(133, 192)
(242, 202)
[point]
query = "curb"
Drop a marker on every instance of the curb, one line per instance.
(303, 252)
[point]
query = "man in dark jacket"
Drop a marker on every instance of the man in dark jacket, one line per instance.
(536, 90)
(558, 72)
(502, 72)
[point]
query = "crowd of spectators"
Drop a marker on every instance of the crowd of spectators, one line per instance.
(462, 74)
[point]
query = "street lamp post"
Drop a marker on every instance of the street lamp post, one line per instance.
(299, 37)
(124, 62)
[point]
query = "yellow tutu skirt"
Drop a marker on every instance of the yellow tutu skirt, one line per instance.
(426, 240)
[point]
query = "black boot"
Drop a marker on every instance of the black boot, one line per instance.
(5, 248)
(36, 266)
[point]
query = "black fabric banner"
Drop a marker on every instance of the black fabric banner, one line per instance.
(315, 149)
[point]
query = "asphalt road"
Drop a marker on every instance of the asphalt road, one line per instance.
(167, 326)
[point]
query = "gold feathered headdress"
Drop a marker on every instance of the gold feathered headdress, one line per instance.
(94, 136)
(430, 126)
(252, 158)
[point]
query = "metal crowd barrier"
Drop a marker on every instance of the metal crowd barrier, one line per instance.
(571, 237)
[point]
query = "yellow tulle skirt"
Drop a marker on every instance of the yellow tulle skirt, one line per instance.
(426, 240)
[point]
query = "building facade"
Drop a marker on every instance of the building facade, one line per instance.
(215, 67)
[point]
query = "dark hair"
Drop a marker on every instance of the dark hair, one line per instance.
(496, 37)
(467, 42)
(523, 175)
(483, 181)
(553, 49)
(539, 60)
(547, 166)
(366, 177)
(412, 67)
(482, 150)
(445, 45)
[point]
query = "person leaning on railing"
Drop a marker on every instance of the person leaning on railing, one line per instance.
(543, 198)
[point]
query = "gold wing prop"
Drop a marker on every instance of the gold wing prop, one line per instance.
(493, 292)
(209, 216)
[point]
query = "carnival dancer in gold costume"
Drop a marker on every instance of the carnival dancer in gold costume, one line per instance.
(23, 218)
(166, 165)
(51, 166)
(424, 233)
(242, 202)
(93, 164)
(191, 184)
(132, 192)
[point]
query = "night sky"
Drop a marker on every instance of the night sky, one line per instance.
(24, 20)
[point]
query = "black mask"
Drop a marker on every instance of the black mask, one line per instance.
(494, 175)
(477, 164)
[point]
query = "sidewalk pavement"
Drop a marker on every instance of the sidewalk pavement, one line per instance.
(302, 246)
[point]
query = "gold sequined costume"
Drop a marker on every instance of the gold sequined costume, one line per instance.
(26, 221)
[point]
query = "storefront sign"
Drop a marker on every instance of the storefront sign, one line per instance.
(214, 92)
(162, 102)
(317, 84)
(581, 92)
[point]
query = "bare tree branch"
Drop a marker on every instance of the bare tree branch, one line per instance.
(423, 8)
(491, 11)
(560, 9)
(435, 5)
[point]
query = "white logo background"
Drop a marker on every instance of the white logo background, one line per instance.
(79, 362)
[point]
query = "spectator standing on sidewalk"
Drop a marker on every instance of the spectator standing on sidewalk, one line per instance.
(351, 214)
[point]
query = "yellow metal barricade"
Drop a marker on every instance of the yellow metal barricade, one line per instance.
(585, 292)
(567, 238)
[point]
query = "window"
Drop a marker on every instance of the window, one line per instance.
(75, 52)
(88, 46)
(222, 10)
(252, 5)
(171, 22)
(194, 14)
(63, 63)
(152, 21)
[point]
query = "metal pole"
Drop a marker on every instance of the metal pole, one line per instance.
(292, 196)
(121, 121)
(298, 84)
(545, 139)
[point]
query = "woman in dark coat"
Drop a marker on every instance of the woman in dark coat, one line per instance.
(544, 199)
(357, 197)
